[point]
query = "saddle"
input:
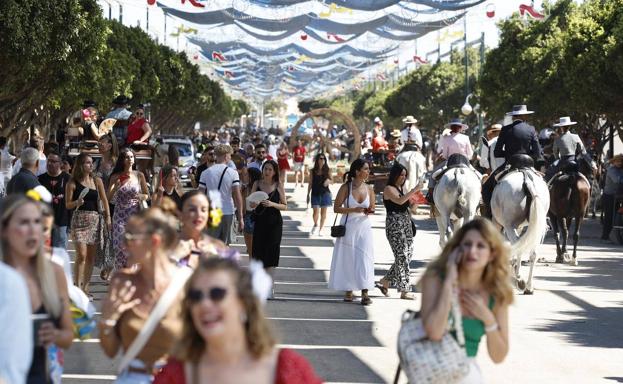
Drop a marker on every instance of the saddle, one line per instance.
(517, 162)
(454, 161)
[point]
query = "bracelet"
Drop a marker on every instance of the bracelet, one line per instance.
(108, 325)
(492, 328)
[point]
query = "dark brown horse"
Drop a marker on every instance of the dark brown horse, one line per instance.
(570, 194)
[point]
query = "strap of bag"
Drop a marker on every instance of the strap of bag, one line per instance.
(162, 306)
(457, 317)
(220, 181)
(347, 197)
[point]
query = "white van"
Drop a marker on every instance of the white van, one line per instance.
(187, 155)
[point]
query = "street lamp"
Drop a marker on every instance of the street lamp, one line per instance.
(466, 109)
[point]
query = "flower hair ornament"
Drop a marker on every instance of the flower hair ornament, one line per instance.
(40, 194)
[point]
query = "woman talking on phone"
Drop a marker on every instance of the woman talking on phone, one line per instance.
(475, 263)
(127, 189)
(352, 267)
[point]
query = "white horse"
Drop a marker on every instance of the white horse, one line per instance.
(511, 212)
(415, 163)
(456, 196)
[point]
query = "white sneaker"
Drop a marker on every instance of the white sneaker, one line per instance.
(320, 234)
(313, 230)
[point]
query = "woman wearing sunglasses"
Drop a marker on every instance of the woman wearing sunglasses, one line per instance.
(149, 237)
(226, 338)
(139, 131)
(318, 188)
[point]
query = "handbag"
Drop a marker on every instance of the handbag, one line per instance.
(340, 230)
(413, 226)
(161, 307)
(428, 361)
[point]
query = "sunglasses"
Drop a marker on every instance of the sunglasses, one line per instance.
(127, 237)
(216, 295)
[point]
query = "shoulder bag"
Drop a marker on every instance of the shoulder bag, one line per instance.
(340, 230)
(158, 312)
(432, 362)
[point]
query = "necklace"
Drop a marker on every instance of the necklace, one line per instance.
(357, 186)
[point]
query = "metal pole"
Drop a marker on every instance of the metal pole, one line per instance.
(165, 29)
(466, 61)
(109, 11)
(482, 51)
(147, 23)
(120, 13)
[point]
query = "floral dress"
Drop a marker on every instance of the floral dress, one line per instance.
(127, 203)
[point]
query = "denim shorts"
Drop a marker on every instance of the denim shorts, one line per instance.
(321, 201)
(249, 223)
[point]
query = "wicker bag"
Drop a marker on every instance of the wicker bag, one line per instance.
(427, 361)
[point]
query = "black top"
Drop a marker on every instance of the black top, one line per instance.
(392, 207)
(90, 200)
(318, 187)
(200, 169)
(56, 185)
(38, 373)
(22, 182)
(175, 197)
(517, 138)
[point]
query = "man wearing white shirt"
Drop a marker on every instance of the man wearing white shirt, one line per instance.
(36, 143)
(16, 333)
(487, 159)
(410, 135)
(224, 180)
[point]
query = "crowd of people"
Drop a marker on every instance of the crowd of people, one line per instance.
(181, 306)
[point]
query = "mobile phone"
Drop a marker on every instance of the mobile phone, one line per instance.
(37, 320)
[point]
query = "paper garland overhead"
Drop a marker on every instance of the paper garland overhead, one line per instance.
(354, 35)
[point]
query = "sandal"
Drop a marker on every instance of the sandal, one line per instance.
(384, 290)
(407, 296)
(365, 300)
(348, 297)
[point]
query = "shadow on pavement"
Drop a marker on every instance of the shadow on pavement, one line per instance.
(591, 326)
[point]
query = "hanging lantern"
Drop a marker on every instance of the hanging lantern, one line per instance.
(303, 36)
(151, 2)
(490, 10)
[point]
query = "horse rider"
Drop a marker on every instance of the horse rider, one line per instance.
(487, 160)
(410, 135)
(518, 137)
(452, 144)
(566, 146)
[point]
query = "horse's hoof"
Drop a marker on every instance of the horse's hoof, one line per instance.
(574, 262)
(521, 284)
(528, 291)
(566, 257)
(559, 260)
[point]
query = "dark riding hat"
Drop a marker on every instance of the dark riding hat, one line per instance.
(121, 100)
(89, 104)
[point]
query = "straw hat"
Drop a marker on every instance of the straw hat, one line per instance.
(395, 133)
(564, 121)
(409, 120)
(520, 110)
(495, 128)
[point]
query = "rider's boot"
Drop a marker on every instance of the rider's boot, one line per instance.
(429, 195)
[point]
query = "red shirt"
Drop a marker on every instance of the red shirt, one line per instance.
(135, 131)
(379, 143)
(292, 368)
(299, 154)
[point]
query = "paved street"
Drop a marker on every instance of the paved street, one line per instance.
(569, 331)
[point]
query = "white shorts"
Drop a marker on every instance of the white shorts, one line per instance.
(298, 167)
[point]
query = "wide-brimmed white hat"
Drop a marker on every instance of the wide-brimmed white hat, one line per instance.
(564, 121)
(256, 197)
(495, 127)
(409, 120)
(520, 110)
(395, 133)
(377, 120)
(456, 121)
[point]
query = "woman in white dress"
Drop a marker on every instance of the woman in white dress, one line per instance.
(352, 267)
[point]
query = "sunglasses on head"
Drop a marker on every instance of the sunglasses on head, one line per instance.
(216, 295)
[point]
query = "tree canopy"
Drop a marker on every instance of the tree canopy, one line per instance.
(57, 54)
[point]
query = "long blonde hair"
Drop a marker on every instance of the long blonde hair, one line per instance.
(496, 278)
(44, 269)
(258, 333)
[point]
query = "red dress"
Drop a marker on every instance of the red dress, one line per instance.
(135, 131)
(292, 368)
(282, 161)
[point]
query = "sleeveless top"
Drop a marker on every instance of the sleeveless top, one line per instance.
(473, 329)
(175, 197)
(318, 187)
(135, 130)
(90, 200)
(392, 207)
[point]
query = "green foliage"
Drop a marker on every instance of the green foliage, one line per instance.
(56, 54)
(307, 105)
(570, 64)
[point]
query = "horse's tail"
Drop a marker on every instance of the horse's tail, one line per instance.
(537, 224)
(461, 200)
